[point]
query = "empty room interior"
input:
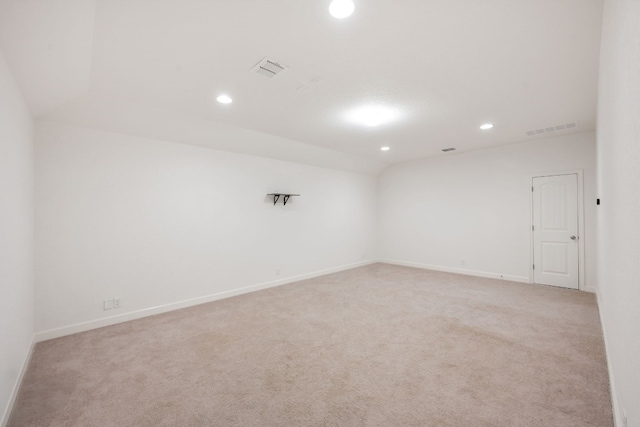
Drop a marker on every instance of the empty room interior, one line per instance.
(320, 213)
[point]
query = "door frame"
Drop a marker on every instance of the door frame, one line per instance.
(581, 254)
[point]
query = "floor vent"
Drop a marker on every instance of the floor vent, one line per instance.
(268, 68)
(552, 129)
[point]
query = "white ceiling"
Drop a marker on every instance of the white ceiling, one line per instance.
(153, 68)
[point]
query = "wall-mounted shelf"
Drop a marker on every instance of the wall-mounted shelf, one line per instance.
(285, 197)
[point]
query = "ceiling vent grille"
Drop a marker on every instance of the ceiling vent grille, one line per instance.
(268, 68)
(552, 129)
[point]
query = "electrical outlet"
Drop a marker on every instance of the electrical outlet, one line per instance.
(462, 262)
(107, 304)
(117, 302)
(277, 271)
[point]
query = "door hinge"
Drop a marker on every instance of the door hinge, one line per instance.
(532, 189)
(533, 228)
(534, 266)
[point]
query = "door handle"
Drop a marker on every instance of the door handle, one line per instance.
(573, 237)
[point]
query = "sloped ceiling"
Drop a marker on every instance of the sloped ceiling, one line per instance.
(153, 68)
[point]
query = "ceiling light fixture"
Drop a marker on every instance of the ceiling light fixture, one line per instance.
(224, 99)
(341, 9)
(385, 148)
(486, 126)
(372, 115)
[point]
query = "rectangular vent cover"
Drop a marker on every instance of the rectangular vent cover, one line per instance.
(268, 68)
(448, 149)
(552, 129)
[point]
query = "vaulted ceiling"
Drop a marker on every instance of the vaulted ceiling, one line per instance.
(444, 67)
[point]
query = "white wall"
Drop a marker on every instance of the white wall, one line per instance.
(16, 236)
(619, 188)
(475, 207)
(156, 223)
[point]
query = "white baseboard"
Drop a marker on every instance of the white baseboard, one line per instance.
(590, 289)
(125, 317)
(521, 279)
(617, 421)
(16, 386)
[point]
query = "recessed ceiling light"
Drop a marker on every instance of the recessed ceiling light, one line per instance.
(385, 148)
(372, 115)
(341, 9)
(224, 99)
(486, 126)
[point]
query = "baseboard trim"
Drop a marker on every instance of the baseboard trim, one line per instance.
(521, 279)
(16, 385)
(590, 289)
(138, 314)
(617, 421)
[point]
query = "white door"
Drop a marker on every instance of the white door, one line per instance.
(555, 231)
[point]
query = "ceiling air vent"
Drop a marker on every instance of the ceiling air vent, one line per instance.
(552, 129)
(448, 149)
(268, 68)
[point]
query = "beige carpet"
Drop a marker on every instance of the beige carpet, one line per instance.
(379, 345)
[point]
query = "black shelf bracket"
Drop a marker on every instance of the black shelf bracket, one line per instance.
(285, 197)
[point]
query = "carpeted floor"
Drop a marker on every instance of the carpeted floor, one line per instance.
(380, 345)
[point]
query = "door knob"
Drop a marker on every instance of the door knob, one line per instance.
(573, 237)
